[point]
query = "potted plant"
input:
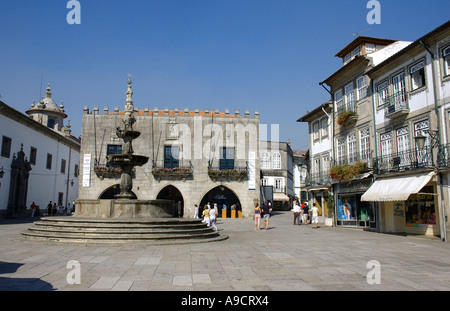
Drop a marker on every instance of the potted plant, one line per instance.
(346, 172)
(344, 116)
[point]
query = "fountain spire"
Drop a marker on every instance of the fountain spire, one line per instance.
(127, 160)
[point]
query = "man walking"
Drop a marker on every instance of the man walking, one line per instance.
(305, 213)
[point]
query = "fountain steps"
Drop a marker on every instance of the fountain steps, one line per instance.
(119, 231)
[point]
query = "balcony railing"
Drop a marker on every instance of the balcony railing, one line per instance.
(232, 170)
(364, 157)
(405, 160)
(322, 178)
(396, 105)
(444, 156)
(178, 170)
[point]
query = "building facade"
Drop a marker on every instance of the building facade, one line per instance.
(39, 158)
(319, 157)
(195, 157)
(410, 103)
(391, 122)
(276, 163)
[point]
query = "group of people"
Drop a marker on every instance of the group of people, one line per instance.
(209, 215)
(52, 210)
(264, 213)
(303, 213)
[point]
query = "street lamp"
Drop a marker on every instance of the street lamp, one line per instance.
(420, 139)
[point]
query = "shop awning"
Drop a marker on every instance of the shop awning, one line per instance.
(280, 197)
(396, 188)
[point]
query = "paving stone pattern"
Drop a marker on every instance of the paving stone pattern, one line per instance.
(283, 258)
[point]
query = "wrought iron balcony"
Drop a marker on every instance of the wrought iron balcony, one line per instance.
(231, 169)
(405, 160)
(322, 178)
(364, 157)
(444, 156)
(175, 170)
(396, 105)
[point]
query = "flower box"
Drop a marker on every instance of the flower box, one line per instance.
(175, 173)
(228, 174)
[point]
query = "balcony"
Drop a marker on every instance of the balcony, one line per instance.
(396, 105)
(178, 170)
(347, 115)
(444, 156)
(364, 157)
(322, 178)
(404, 161)
(229, 169)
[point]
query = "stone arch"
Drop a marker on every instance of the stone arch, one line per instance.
(110, 193)
(171, 192)
(222, 195)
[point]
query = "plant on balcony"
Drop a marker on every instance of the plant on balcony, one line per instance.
(230, 173)
(344, 116)
(171, 171)
(347, 172)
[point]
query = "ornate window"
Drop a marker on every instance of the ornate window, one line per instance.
(265, 160)
(276, 161)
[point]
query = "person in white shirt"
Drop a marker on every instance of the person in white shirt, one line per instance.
(296, 211)
(212, 217)
(315, 215)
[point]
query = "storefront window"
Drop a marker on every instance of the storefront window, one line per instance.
(351, 211)
(420, 209)
(346, 208)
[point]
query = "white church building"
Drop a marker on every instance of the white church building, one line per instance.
(39, 160)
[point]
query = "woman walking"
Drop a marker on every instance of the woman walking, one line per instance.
(257, 216)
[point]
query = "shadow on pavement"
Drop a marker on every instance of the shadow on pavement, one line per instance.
(20, 284)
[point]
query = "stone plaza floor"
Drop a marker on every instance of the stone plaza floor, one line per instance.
(283, 258)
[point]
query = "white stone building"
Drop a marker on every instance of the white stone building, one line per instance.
(39, 158)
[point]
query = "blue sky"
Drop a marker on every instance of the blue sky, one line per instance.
(264, 55)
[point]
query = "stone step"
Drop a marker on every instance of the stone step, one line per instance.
(156, 231)
(117, 231)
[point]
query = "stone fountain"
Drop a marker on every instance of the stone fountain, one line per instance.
(127, 161)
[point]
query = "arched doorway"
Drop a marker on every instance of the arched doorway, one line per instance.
(172, 193)
(111, 192)
(224, 197)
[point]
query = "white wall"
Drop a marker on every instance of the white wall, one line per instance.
(43, 184)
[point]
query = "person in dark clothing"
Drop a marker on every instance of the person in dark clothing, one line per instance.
(266, 210)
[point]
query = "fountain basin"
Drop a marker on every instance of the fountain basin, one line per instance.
(130, 160)
(124, 208)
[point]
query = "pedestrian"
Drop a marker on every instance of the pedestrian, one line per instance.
(33, 209)
(296, 211)
(54, 209)
(212, 217)
(266, 214)
(206, 215)
(257, 216)
(68, 209)
(314, 215)
(305, 213)
(195, 211)
(49, 208)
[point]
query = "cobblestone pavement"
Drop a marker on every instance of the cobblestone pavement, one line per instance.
(283, 258)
